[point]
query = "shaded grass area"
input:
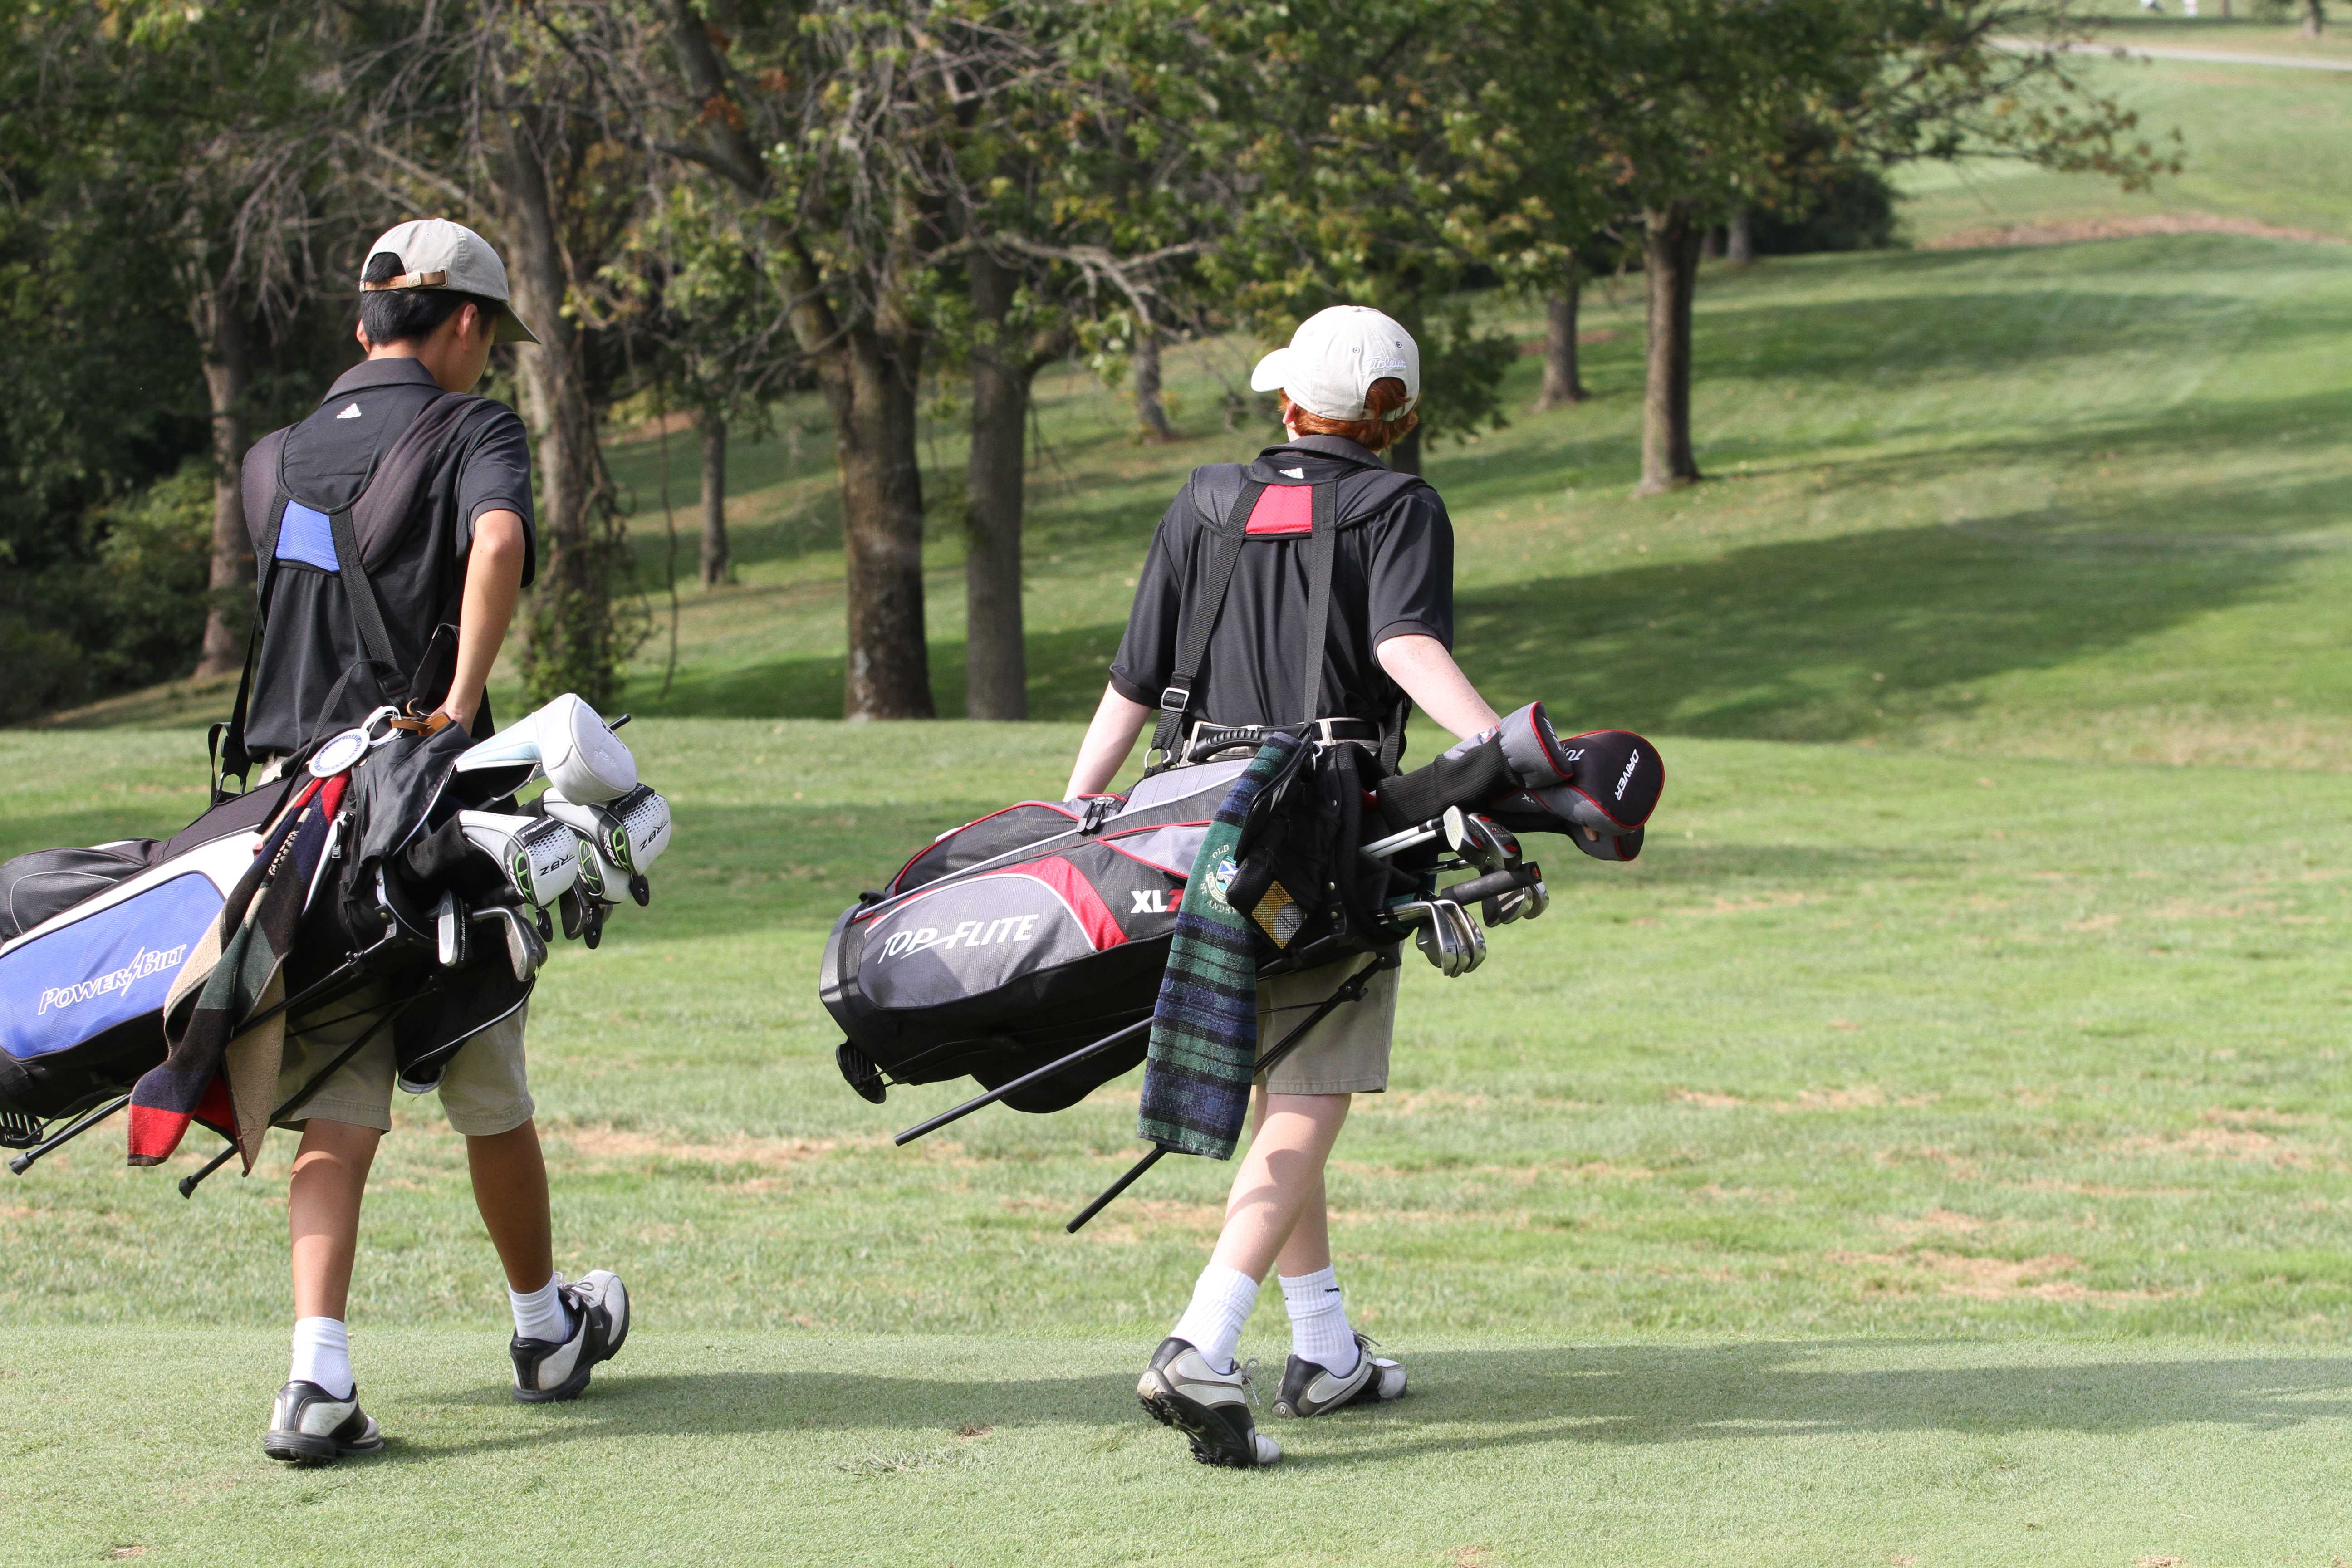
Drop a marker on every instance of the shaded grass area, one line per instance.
(1016, 1451)
(2080, 501)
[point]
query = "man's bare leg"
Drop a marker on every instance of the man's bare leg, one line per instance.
(510, 1189)
(323, 1213)
(1276, 1209)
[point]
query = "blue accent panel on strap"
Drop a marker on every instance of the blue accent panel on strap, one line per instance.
(306, 536)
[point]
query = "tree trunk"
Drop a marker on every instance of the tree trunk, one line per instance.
(2315, 17)
(1740, 250)
(882, 524)
(867, 371)
(1151, 412)
(1670, 246)
(571, 646)
(1713, 242)
(1563, 387)
(222, 329)
(996, 674)
(711, 425)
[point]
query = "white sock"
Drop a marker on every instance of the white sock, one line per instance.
(1221, 1300)
(539, 1314)
(322, 1354)
(1319, 1332)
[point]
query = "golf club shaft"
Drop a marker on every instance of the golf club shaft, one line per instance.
(1111, 1193)
(24, 1162)
(1082, 1053)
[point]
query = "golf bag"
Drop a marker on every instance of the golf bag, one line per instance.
(1004, 943)
(93, 940)
(1035, 937)
(416, 888)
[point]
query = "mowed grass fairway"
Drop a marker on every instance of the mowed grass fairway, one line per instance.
(1935, 1151)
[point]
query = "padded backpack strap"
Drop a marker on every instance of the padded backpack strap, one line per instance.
(1176, 697)
(365, 610)
(1322, 545)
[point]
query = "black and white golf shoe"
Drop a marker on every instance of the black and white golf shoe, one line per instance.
(308, 1426)
(1210, 1407)
(545, 1372)
(1310, 1390)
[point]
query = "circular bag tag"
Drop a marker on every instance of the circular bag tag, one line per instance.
(339, 754)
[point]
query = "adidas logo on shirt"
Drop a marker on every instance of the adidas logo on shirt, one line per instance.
(350, 412)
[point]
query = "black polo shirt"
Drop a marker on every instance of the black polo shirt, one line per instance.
(310, 639)
(1391, 575)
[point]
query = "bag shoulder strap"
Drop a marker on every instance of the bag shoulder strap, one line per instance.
(225, 742)
(1199, 620)
(1322, 545)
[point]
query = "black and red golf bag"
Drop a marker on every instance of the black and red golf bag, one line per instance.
(1005, 942)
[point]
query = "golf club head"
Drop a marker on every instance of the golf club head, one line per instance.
(568, 743)
(1474, 938)
(630, 833)
(1445, 935)
(1479, 842)
(526, 949)
(539, 856)
(449, 932)
(1519, 904)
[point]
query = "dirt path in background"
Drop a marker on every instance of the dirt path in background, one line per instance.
(2075, 232)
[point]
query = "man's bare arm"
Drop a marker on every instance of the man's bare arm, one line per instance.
(1109, 738)
(1437, 685)
(493, 584)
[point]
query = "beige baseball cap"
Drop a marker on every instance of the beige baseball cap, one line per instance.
(439, 254)
(1335, 356)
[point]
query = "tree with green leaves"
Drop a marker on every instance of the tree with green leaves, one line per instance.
(1704, 107)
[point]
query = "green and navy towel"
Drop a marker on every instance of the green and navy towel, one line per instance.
(1203, 1051)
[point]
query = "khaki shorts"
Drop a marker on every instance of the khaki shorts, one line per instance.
(484, 1092)
(1347, 1052)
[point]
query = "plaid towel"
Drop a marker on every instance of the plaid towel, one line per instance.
(254, 934)
(1203, 1051)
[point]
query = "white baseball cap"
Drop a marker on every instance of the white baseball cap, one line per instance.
(1335, 356)
(437, 254)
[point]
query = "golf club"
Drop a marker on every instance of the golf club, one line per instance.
(526, 951)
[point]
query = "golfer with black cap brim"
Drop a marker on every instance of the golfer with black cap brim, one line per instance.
(439, 482)
(1350, 382)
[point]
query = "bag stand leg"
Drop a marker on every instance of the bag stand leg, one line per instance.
(24, 1162)
(1351, 989)
(189, 1184)
(1084, 1052)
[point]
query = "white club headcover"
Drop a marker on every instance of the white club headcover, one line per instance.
(539, 854)
(630, 833)
(569, 744)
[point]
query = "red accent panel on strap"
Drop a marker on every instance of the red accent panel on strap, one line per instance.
(1283, 509)
(1094, 916)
